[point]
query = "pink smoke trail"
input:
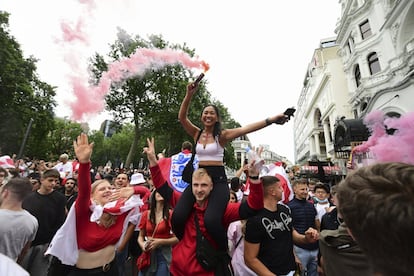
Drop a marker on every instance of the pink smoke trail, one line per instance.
(71, 34)
(90, 4)
(375, 123)
(77, 32)
(399, 146)
(90, 100)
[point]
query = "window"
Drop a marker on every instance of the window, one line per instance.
(364, 106)
(393, 115)
(373, 62)
(350, 44)
(365, 29)
(357, 75)
(318, 116)
(327, 44)
(391, 131)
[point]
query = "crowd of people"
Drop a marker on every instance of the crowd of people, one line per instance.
(65, 218)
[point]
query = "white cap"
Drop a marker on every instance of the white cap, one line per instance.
(137, 178)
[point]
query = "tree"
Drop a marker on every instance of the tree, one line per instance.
(99, 156)
(119, 146)
(60, 139)
(24, 97)
(228, 122)
(151, 101)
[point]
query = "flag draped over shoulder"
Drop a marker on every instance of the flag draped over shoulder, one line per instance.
(64, 244)
(172, 169)
(115, 207)
(276, 169)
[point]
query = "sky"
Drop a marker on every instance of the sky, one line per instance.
(258, 51)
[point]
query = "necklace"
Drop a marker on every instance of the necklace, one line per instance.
(205, 137)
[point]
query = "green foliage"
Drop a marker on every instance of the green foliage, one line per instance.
(145, 106)
(115, 148)
(60, 139)
(119, 144)
(24, 97)
(99, 156)
(228, 122)
(149, 102)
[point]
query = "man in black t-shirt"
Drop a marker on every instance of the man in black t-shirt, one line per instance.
(48, 206)
(269, 235)
(70, 192)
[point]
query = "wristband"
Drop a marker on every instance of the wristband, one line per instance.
(268, 122)
(255, 177)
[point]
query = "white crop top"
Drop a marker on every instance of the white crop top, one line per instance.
(212, 152)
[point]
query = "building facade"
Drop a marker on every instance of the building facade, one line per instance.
(369, 68)
(323, 100)
(376, 40)
(241, 143)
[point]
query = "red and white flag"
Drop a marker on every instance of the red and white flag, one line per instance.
(6, 162)
(172, 169)
(277, 169)
(64, 244)
(115, 207)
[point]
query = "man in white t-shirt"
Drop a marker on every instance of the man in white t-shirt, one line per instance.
(64, 167)
(14, 244)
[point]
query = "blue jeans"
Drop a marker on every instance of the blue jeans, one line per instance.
(162, 266)
(309, 260)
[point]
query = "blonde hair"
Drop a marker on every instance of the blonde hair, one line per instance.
(64, 156)
(106, 219)
(200, 172)
(97, 183)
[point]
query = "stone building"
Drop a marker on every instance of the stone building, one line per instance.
(369, 66)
